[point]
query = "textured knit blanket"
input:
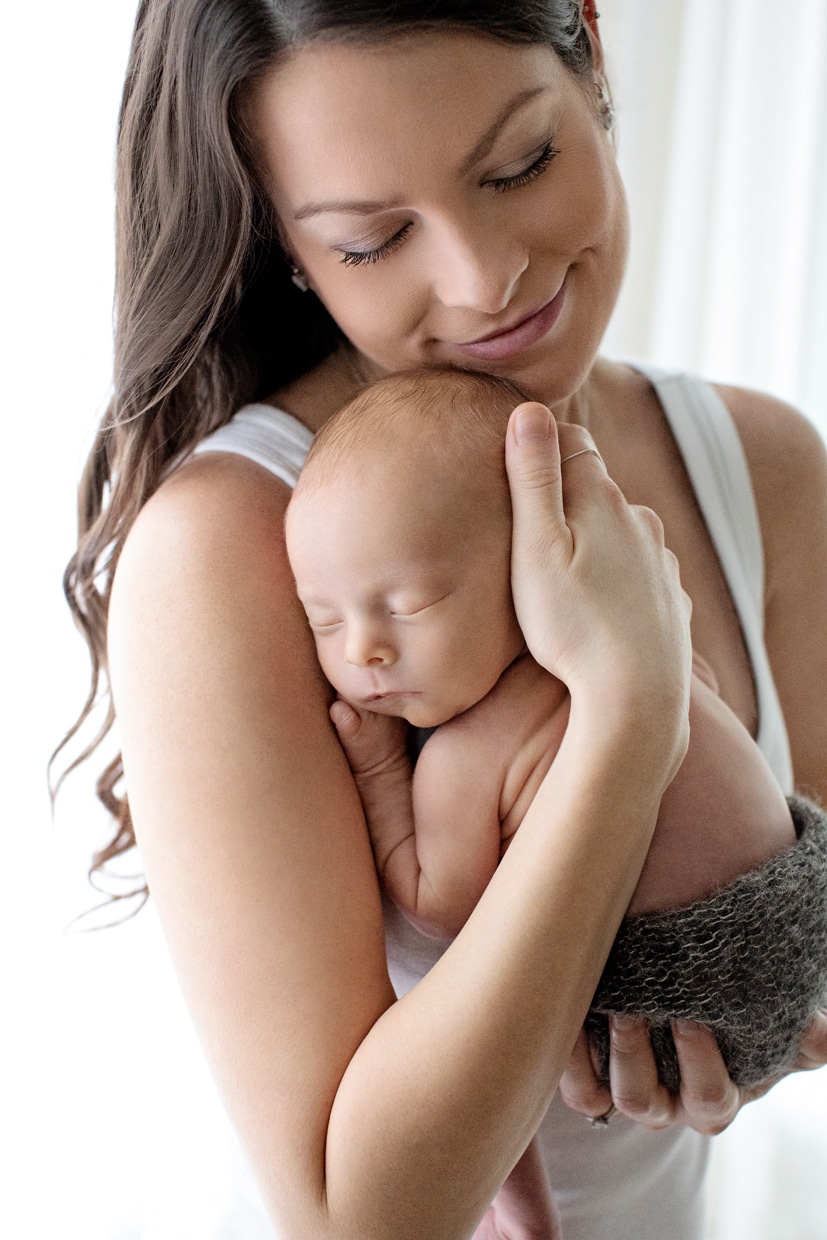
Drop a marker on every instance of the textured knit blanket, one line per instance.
(750, 961)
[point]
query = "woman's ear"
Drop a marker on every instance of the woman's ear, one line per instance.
(590, 17)
(605, 108)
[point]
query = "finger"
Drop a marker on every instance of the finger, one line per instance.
(575, 441)
(532, 456)
(345, 719)
(653, 521)
(585, 479)
(580, 1088)
(709, 1099)
(636, 1090)
(814, 1044)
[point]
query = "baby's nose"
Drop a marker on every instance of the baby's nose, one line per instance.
(366, 648)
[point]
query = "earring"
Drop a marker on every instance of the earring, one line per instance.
(607, 112)
(300, 279)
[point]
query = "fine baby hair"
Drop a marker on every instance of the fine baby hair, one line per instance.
(460, 416)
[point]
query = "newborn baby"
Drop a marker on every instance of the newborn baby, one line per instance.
(399, 535)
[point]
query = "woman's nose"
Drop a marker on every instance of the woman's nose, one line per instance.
(477, 270)
(367, 646)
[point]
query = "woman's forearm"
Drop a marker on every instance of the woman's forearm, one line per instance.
(450, 1084)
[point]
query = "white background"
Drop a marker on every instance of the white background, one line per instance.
(110, 1129)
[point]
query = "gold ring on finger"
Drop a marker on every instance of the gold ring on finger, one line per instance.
(602, 1121)
(581, 452)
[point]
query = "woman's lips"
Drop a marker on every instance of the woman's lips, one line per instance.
(494, 347)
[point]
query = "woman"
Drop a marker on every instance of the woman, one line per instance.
(441, 177)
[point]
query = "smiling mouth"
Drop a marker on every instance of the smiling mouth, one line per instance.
(514, 339)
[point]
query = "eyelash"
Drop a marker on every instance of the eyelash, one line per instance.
(358, 258)
(355, 258)
(501, 184)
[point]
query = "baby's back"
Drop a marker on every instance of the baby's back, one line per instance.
(723, 815)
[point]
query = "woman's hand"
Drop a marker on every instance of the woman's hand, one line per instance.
(708, 1100)
(597, 593)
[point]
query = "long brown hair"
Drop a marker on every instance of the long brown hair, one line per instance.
(207, 316)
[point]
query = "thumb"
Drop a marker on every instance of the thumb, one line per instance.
(532, 461)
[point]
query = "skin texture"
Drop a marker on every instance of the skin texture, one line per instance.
(357, 1122)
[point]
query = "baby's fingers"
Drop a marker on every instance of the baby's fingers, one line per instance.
(373, 744)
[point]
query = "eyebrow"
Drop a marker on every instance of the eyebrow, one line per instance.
(483, 147)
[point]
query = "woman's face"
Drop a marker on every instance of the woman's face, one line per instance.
(452, 200)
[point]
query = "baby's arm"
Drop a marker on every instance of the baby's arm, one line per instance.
(524, 1208)
(722, 816)
(436, 837)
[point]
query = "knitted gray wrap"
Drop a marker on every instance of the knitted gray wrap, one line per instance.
(750, 961)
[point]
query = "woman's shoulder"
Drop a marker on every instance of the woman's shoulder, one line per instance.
(775, 434)
(205, 556)
(787, 462)
(205, 504)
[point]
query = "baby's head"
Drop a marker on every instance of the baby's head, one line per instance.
(399, 535)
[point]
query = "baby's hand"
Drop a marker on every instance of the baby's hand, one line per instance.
(375, 747)
(524, 1208)
(374, 744)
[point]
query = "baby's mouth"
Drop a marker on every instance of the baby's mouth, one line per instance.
(390, 693)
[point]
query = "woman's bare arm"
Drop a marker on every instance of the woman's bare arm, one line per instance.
(363, 1117)
(788, 467)
(788, 464)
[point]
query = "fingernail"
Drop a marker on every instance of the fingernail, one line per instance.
(621, 1021)
(532, 425)
(685, 1027)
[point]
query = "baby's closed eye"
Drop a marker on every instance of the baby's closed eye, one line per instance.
(321, 622)
(405, 608)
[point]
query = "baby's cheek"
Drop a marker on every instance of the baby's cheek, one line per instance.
(332, 665)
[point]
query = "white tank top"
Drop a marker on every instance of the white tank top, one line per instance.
(622, 1182)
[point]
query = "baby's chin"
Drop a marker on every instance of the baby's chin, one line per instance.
(415, 709)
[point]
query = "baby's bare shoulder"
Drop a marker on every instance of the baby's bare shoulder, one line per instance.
(500, 740)
(522, 701)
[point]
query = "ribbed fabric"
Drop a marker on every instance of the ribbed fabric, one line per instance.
(266, 435)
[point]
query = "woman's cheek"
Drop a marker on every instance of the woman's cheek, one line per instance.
(379, 310)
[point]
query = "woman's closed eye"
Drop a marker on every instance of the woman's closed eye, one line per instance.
(539, 162)
(353, 258)
(536, 168)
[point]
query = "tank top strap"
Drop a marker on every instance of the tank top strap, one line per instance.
(266, 435)
(715, 461)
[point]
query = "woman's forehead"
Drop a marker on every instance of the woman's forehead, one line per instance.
(332, 101)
